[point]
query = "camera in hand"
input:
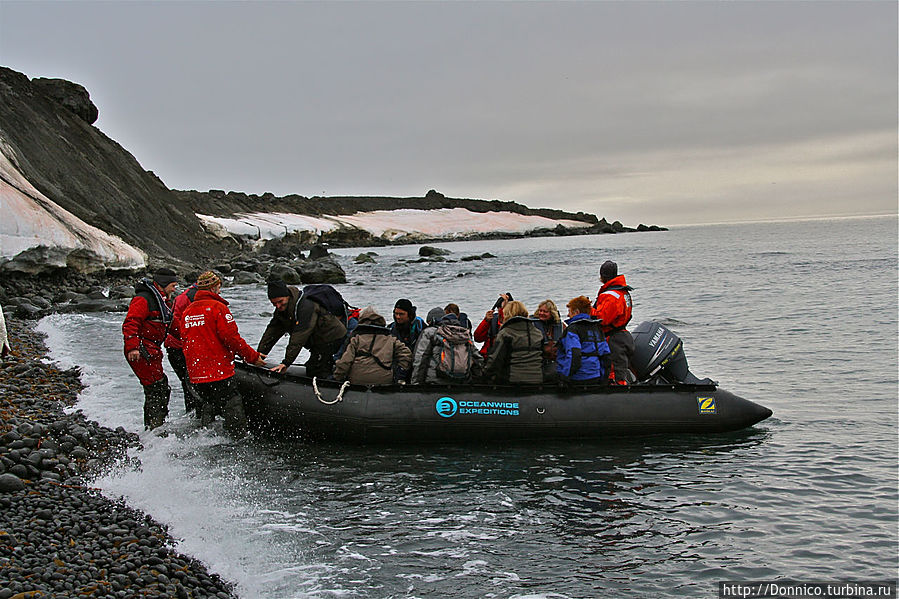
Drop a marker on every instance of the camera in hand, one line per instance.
(499, 302)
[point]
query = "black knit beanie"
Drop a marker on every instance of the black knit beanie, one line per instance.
(277, 288)
(608, 270)
(165, 276)
(406, 306)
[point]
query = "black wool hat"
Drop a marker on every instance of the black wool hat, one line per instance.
(608, 270)
(277, 288)
(406, 306)
(165, 276)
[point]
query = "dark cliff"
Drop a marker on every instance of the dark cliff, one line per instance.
(48, 125)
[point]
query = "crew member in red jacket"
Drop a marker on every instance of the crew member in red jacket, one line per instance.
(613, 307)
(211, 341)
(175, 350)
(144, 329)
(486, 331)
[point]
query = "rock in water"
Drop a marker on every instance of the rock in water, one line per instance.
(427, 250)
(286, 273)
(317, 252)
(324, 270)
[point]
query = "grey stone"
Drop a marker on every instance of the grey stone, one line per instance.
(10, 483)
(427, 250)
(323, 270)
(287, 274)
(318, 251)
(243, 277)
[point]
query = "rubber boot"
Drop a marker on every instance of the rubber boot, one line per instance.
(156, 403)
(207, 414)
(235, 417)
(192, 401)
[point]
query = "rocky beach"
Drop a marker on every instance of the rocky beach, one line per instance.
(58, 536)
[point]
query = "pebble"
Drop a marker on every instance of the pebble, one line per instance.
(58, 537)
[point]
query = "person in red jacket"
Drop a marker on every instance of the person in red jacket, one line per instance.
(174, 350)
(211, 341)
(144, 329)
(486, 331)
(613, 307)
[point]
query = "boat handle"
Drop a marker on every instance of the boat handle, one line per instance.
(541, 410)
(276, 382)
(336, 399)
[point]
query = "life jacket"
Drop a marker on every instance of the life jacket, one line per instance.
(454, 359)
(415, 327)
(147, 290)
(589, 331)
(621, 296)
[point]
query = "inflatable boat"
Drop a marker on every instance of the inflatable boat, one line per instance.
(665, 398)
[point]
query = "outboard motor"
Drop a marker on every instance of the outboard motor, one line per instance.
(659, 356)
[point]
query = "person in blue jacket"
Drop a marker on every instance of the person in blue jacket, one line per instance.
(583, 355)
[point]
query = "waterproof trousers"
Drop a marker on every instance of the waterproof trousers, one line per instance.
(321, 360)
(156, 402)
(192, 401)
(621, 345)
(222, 397)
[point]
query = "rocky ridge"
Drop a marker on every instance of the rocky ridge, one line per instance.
(47, 127)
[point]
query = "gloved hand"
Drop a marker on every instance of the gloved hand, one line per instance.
(563, 383)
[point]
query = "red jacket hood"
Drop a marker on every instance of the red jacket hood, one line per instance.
(205, 294)
(616, 282)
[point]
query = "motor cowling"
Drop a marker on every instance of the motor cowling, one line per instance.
(659, 356)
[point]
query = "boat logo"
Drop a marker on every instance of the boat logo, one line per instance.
(707, 405)
(447, 406)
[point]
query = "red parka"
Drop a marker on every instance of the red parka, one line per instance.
(144, 328)
(211, 339)
(486, 332)
(613, 305)
(181, 304)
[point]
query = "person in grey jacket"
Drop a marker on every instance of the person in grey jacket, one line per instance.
(373, 356)
(427, 350)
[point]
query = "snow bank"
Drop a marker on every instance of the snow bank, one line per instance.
(37, 235)
(390, 224)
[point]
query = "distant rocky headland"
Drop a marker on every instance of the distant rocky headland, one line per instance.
(74, 200)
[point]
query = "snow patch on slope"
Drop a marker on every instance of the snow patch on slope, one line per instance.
(37, 235)
(390, 224)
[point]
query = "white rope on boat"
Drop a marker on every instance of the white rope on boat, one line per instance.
(336, 399)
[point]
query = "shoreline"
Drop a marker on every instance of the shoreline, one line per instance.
(58, 535)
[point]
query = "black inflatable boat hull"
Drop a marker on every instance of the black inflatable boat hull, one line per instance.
(288, 404)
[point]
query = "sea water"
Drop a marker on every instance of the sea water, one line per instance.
(798, 316)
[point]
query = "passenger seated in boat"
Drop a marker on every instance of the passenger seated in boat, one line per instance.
(583, 354)
(550, 323)
(406, 326)
(463, 317)
(445, 351)
(373, 356)
(486, 331)
(517, 353)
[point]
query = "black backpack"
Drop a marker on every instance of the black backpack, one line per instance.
(328, 298)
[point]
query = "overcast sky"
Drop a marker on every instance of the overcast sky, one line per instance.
(660, 113)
